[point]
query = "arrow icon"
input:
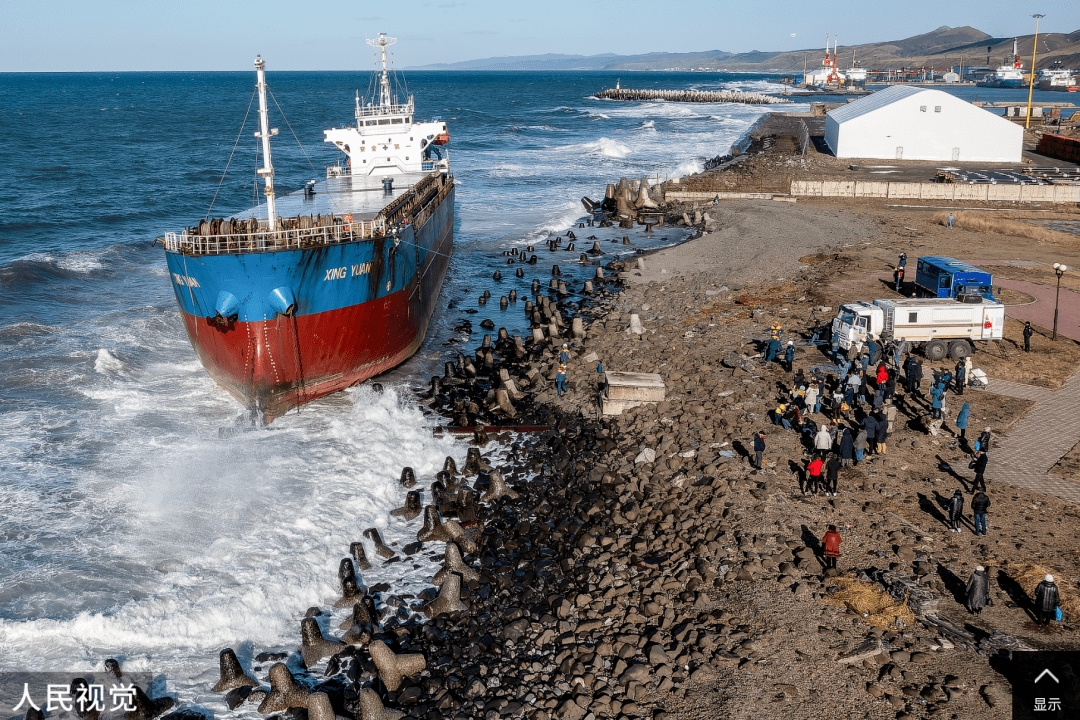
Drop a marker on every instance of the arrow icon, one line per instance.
(1046, 672)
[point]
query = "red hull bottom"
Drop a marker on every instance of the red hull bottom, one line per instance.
(275, 365)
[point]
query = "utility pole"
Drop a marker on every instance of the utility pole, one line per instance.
(1031, 84)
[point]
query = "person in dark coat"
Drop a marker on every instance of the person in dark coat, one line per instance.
(1028, 332)
(832, 474)
(881, 435)
(832, 541)
(890, 387)
(1046, 600)
(979, 466)
(917, 377)
(983, 443)
(961, 376)
(759, 449)
(789, 355)
(909, 374)
(870, 426)
(956, 511)
(978, 590)
(847, 448)
(979, 505)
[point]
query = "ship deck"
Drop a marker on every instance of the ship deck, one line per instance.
(361, 195)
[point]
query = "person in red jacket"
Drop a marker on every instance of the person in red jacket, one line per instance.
(813, 475)
(882, 375)
(831, 541)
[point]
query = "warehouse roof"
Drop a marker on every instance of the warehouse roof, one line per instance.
(878, 100)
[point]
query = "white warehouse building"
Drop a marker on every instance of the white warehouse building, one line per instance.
(904, 122)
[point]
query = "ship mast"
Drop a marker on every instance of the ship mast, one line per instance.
(383, 42)
(267, 170)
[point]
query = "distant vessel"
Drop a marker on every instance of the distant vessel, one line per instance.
(319, 290)
(1056, 77)
(1006, 76)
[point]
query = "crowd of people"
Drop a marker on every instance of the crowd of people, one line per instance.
(848, 410)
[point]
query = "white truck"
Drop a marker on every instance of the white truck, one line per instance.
(942, 325)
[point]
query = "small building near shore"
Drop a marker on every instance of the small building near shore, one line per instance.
(905, 122)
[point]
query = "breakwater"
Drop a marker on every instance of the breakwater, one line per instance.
(692, 96)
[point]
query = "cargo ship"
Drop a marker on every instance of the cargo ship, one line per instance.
(315, 291)
(1008, 75)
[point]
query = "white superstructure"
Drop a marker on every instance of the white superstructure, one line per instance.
(386, 139)
(1056, 77)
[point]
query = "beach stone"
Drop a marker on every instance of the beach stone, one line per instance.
(634, 673)
(284, 692)
(570, 710)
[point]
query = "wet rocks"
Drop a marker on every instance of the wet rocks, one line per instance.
(380, 548)
(314, 646)
(231, 675)
(285, 693)
(412, 507)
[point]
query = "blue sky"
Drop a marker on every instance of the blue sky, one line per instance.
(67, 35)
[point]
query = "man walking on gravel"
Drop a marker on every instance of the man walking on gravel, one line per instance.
(759, 449)
(560, 380)
(978, 590)
(1046, 600)
(979, 466)
(956, 511)
(979, 505)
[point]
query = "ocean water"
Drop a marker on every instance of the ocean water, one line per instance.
(130, 528)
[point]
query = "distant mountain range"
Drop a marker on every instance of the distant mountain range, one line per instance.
(943, 47)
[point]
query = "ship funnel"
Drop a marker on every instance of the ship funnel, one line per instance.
(282, 301)
(227, 306)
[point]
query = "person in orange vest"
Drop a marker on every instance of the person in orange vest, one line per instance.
(831, 541)
(560, 380)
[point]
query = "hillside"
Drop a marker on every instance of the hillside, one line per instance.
(942, 47)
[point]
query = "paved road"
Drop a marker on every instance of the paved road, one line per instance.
(1041, 312)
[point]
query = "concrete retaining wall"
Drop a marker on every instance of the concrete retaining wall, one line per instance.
(931, 191)
(687, 195)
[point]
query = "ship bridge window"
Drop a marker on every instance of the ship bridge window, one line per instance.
(922, 108)
(387, 122)
(937, 108)
(397, 121)
(409, 120)
(371, 122)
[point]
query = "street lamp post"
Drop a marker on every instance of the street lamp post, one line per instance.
(1031, 83)
(1060, 270)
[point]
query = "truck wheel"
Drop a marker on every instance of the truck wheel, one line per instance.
(959, 349)
(935, 350)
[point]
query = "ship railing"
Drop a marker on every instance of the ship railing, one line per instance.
(378, 110)
(265, 240)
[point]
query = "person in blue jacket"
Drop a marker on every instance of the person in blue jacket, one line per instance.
(962, 421)
(789, 356)
(772, 350)
(560, 380)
